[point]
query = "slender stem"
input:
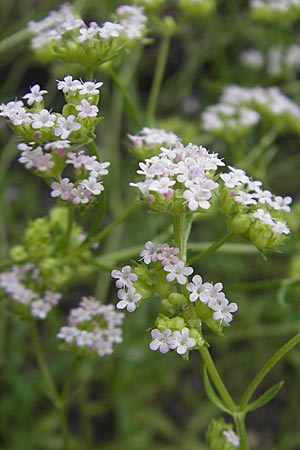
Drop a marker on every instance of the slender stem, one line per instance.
(90, 73)
(50, 385)
(93, 148)
(212, 248)
(158, 76)
(256, 151)
(217, 380)
(266, 369)
(181, 227)
(239, 420)
(135, 116)
(14, 39)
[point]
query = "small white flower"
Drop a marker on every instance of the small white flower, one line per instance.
(90, 88)
(110, 30)
(280, 228)
(245, 198)
(149, 254)
(128, 299)
(182, 341)
(178, 271)
(35, 95)
(68, 84)
(263, 216)
(232, 438)
(66, 126)
(94, 186)
(197, 288)
(43, 119)
(86, 109)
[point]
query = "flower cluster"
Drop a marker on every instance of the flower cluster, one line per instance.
(241, 108)
(275, 10)
(179, 179)
(277, 61)
(92, 328)
(44, 246)
(222, 436)
(270, 102)
(87, 186)
(224, 119)
(149, 141)
(253, 212)
(162, 273)
(212, 296)
(36, 125)
(16, 283)
(64, 36)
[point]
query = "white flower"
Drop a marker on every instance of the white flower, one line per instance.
(280, 228)
(68, 84)
(94, 186)
(40, 309)
(88, 33)
(68, 334)
(86, 109)
(197, 288)
(35, 95)
(66, 126)
(222, 308)
(128, 299)
(182, 341)
(245, 198)
(263, 216)
(110, 30)
(197, 197)
(282, 203)
(149, 254)
(43, 119)
(236, 177)
(90, 88)
(80, 195)
(178, 271)
(162, 341)
(232, 438)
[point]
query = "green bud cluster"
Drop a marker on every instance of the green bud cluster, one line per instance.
(196, 8)
(47, 244)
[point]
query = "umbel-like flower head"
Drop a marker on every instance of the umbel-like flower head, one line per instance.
(63, 35)
(254, 213)
(92, 328)
(180, 179)
(163, 274)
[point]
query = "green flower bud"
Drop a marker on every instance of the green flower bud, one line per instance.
(196, 7)
(240, 224)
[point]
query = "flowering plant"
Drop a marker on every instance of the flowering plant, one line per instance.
(130, 234)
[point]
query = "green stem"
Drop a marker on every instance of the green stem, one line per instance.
(239, 420)
(93, 148)
(135, 116)
(212, 248)
(217, 380)
(266, 369)
(181, 227)
(256, 151)
(90, 73)
(157, 79)
(14, 39)
(50, 385)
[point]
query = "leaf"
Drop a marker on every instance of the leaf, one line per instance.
(265, 397)
(211, 393)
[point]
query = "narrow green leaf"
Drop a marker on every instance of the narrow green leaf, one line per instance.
(211, 393)
(265, 397)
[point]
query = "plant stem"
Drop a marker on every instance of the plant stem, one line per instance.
(14, 39)
(50, 385)
(239, 420)
(266, 369)
(217, 380)
(181, 227)
(212, 248)
(158, 76)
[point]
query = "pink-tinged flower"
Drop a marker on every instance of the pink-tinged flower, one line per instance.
(63, 189)
(223, 309)
(80, 195)
(35, 95)
(280, 228)
(124, 277)
(198, 288)
(178, 271)
(110, 30)
(162, 341)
